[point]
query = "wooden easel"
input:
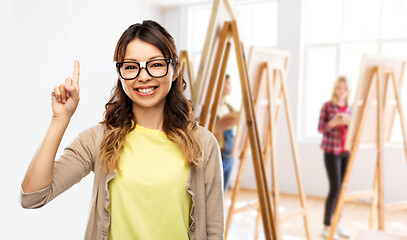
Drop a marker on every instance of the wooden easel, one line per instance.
(207, 117)
(275, 78)
(377, 195)
(186, 65)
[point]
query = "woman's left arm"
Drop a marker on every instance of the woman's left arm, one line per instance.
(214, 191)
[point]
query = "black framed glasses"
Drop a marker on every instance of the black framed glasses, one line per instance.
(156, 68)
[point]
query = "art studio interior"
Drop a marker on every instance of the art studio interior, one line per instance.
(306, 99)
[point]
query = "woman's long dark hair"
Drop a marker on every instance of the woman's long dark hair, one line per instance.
(118, 116)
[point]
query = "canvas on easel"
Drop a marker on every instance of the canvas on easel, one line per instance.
(375, 105)
(257, 57)
(268, 70)
(368, 138)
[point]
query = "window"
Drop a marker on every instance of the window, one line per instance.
(252, 17)
(337, 37)
(317, 76)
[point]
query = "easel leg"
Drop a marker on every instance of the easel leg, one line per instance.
(401, 114)
(268, 154)
(186, 64)
(380, 139)
(373, 205)
(271, 153)
(190, 73)
(258, 221)
(219, 88)
(214, 76)
(295, 155)
(236, 188)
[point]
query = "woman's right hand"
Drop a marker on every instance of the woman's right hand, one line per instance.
(338, 120)
(334, 121)
(65, 97)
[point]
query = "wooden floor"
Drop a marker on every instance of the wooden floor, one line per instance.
(355, 217)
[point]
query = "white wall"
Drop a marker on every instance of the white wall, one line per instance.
(175, 21)
(8, 223)
(40, 40)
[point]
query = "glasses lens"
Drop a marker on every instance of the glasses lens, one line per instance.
(157, 68)
(129, 70)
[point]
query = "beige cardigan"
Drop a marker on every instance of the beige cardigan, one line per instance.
(205, 184)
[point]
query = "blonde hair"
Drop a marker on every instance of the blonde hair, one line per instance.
(344, 80)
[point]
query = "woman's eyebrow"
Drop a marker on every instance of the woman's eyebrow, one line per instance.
(151, 58)
(156, 56)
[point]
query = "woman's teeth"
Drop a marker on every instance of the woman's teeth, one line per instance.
(145, 90)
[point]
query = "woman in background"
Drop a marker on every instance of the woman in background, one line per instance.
(224, 132)
(157, 174)
(333, 124)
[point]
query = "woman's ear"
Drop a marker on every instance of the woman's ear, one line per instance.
(177, 71)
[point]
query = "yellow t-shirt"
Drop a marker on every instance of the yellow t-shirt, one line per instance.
(149, 199)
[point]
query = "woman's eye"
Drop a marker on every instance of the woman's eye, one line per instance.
(157, 65)
(130, 67)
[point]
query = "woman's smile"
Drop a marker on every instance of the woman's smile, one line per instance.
(146, 90)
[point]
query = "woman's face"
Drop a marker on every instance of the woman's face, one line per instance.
(146, 91)
(341, 91)
(227, 88)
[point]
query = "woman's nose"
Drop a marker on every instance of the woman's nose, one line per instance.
(143, 75)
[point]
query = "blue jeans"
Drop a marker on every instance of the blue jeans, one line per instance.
(227, 159)
(227, 163)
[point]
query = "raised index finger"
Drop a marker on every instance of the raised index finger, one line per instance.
(76, 74)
